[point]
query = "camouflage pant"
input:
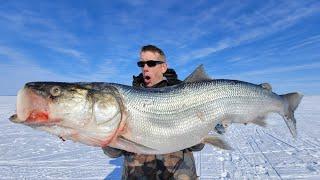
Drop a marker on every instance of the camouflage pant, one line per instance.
(177, 165)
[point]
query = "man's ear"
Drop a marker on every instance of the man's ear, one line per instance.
(164, 67)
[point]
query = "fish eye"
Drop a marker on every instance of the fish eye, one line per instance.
(55, 91)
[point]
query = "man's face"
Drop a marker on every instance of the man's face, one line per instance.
(152, 75)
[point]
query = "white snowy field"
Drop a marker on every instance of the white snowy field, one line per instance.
(259, 153)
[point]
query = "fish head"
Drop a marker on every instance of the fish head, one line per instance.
(47, 103)
(73, 111)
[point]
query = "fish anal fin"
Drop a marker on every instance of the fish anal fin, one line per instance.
(217, 142)
(132, 146)
(260, 121)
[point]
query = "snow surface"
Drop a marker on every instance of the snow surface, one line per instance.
(259, 153)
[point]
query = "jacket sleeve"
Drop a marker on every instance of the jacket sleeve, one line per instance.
(197, 147)
(112, 152)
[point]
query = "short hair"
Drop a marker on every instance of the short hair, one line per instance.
(154, 49)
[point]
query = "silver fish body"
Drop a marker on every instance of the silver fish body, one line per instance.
(149, 121)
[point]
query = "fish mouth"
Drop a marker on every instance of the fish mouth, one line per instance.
(35, 119)
(32, 109)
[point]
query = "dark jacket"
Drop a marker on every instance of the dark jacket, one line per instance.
(176, 165)
(170, 75)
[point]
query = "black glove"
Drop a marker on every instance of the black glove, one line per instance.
(220, 129)
(112, 152)
(197, 147)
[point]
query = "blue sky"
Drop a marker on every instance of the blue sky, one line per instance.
(255, 41)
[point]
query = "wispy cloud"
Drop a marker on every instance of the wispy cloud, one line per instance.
(275, 20)
(45, 32)
(203, 52)
(38, 28)
(306, 42)
(105, 71)
(16, 69)
(24, 18)
(275, 70)
(72, 53)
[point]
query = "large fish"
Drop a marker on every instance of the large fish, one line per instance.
(149, 121)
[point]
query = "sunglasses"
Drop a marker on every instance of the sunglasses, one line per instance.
(150, 63)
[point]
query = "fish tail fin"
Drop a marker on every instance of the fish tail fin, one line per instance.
(292, 100)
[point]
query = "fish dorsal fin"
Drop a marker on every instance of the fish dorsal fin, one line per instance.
(197, 75)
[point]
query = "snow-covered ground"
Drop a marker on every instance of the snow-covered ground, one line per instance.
(259, 153)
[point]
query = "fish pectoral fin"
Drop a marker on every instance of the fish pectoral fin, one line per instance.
(123, 141)
(260, 121)
(217, 142)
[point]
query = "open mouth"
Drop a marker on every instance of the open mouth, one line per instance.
(31, 108)
(147, 77)
(37, 117)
